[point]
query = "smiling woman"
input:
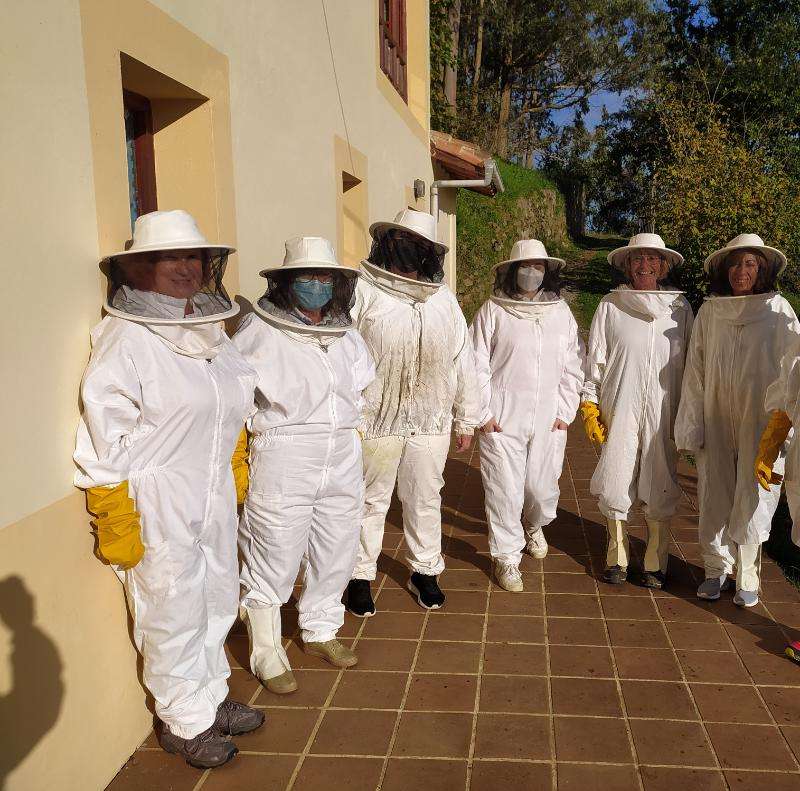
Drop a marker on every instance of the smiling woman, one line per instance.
(175, 284)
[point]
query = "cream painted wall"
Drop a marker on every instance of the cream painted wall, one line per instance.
(67, 667)
(47, 216)
(286, 109)
(64, 645)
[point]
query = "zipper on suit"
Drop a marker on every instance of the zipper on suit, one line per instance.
(333, 416)
(650, 350)
(737, 336)
(538, 333)
(215, 443)
(417, 369)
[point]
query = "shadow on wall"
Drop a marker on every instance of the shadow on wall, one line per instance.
(31, 707)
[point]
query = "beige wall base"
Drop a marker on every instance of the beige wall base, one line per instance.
(71, 707)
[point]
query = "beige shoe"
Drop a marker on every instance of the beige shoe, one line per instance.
(282, 684)
(508, 577)
(332, 651)
(536, 544)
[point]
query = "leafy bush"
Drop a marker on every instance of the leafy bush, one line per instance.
(530, 207)
(712, 187)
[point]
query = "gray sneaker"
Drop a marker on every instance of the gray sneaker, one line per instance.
(711, 588)
(204, 751)
(235, 718)
(746, 598)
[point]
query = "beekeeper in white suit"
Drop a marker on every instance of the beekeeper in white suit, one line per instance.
(637, 348)
(529, 362)
(425, 385)
(165, 397)
(306, 490)
(741, 334)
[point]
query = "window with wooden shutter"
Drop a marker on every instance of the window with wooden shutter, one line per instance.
(141, 157)
(392, 14)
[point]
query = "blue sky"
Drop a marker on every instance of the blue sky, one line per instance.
(611, 101)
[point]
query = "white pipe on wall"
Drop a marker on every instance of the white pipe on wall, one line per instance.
(491, 174)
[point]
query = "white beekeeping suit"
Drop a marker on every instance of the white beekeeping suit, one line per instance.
(737, 346)
(306, 491)
(165, 397)
(783, 396)
(425, 386)
(635, 359)
(529, 362)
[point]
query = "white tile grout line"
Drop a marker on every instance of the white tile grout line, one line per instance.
(590, 555)
(478, 683)
(326, 703)
(400, 710)
(617, 683)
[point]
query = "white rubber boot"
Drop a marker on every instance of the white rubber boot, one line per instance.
(747, 568)
(268, 660)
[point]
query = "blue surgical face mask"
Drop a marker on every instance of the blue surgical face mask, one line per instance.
(312, 294)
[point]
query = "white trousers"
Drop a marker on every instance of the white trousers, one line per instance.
(520, 478)
(734, 510)
(183, 600)
(305, 499)
(417, 465)
(744, 558)
(651, 479)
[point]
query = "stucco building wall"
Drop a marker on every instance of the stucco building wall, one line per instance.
(261, 106)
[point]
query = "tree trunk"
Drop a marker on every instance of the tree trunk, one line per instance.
(476, 71)
(575, 200)
(506, 84)
(501, 136)
(451, 69)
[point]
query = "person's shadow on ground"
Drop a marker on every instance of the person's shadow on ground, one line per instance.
(31, 707)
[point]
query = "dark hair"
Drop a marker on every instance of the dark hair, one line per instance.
(214, 263)
(505, 280)
(428, 260)
(281, 294)
(766, 280)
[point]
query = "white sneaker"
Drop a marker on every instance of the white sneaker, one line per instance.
(711, 587)
(746, 598)
(508, 577)
(536, 544)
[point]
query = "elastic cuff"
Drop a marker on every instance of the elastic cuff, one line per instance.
(464, 428)
(317, 637)
(365, 573)
(428, 569)
(512, 559)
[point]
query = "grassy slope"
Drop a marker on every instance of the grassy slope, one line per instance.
(488, 227)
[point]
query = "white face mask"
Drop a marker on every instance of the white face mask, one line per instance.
(529, 278)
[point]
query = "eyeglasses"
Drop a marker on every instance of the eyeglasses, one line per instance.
(322, 277)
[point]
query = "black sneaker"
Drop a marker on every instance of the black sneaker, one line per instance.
(204, 751)
(653, 579)
(234, 718)
(426, 589)
(615, 575)
(359, 599)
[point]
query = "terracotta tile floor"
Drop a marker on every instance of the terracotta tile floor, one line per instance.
(572, 685)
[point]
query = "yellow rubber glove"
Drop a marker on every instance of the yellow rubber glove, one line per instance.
(771, 440)
(241, 467)
(119, 533)
(595, 430)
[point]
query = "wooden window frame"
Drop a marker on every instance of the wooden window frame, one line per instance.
(393, 44)
(144, 153)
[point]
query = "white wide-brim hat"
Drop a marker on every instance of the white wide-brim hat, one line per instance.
(310, 252)
(644, 241)
(530, 251)
(168, 230)
(747, 241)
(419, 223)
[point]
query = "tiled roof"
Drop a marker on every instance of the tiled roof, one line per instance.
(461, 159)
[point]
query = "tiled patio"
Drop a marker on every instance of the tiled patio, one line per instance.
(571, 685)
